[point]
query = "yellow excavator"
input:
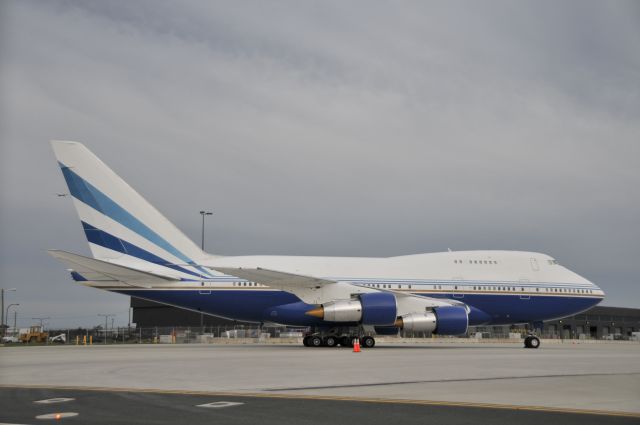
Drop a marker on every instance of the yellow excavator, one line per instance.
(34, 334)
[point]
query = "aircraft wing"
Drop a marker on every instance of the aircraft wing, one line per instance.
(276, 279)
(103, 271)
(314, 290)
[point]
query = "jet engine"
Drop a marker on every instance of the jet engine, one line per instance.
(380, 309)
(376, 308)
(445, 320)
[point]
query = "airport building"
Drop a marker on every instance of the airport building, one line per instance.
(600, 322)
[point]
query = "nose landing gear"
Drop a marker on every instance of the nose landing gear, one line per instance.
(531, 341)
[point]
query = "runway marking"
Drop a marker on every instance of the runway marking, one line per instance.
(331, 398)
(439, 381)
(57, 416)
(220, 404)
(54, 400)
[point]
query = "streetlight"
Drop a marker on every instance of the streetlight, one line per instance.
(203, 214)
(14, 316)
(106, 317)
(2, 290)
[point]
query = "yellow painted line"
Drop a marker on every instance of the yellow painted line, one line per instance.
(333, 398)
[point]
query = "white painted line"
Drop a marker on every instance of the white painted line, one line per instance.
(219, 404)
(54, 400)
(56, 416)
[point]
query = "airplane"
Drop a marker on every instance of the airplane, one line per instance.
(341, 300)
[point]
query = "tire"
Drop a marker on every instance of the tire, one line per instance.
(368, 342)
(531, 342)
(330, 341)
(315, 341)
(305, 341)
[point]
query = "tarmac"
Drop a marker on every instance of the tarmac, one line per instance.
(599, 382)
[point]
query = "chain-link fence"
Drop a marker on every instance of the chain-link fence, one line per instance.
(221, 334)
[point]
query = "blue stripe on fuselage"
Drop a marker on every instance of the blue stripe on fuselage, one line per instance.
(507, 309)
(249, 305)
(234, 304)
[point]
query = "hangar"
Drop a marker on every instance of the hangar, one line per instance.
(600, 322)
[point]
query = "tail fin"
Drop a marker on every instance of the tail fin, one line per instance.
(120, 225)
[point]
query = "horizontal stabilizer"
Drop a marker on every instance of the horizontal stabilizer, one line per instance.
(103, 271)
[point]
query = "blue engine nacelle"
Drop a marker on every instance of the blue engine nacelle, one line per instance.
(378, 308)
(451, 320)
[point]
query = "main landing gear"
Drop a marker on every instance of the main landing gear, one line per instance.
(531, 341)
(334, 341)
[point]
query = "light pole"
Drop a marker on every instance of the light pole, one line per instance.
(14, 316)
(203, 214)
(2, 290)
(106, 318)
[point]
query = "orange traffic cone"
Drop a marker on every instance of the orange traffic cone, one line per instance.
(356, 345)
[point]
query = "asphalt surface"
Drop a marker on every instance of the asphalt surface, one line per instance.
(19, 406)
(604, 377)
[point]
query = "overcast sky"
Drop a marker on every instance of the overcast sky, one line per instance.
(326, 128)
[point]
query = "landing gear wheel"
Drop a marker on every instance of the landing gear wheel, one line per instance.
(531, 342)
(305, 341)
(330, 341)
(315, 341)
(368, 342)
(346, 341)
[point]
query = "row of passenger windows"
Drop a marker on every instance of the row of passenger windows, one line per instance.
(482, 288)
(476, 261)
(248, 284)
(448, 287)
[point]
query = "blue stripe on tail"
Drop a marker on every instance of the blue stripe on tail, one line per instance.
(92, 196)
(107, 240)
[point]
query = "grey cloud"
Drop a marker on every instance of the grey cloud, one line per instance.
(329, 128)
